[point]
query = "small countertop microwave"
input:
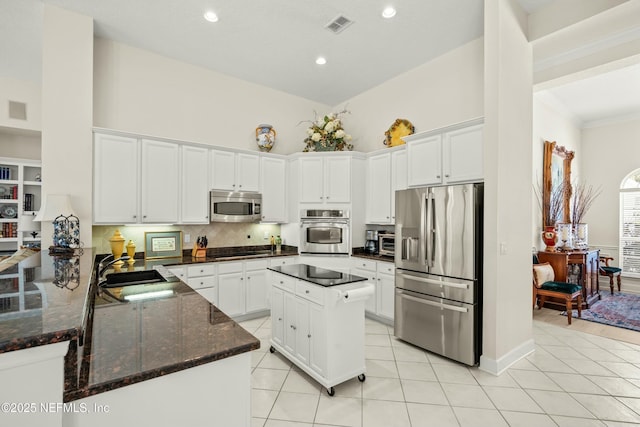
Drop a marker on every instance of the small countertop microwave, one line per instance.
(231, 206)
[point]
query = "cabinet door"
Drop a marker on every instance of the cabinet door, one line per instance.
(462, 155)
(337, 179)
(195, 185)
(277, 315)
(159, 332)
(231, 294)
(210, 294)
(317, 339)
(311, 185)
(398, 177)
(223, 170)
(302, 332)
(289, 322)
(370, 304)
(116, 185)
(257, 291)
(247, 172)
(424, 161)
(273, 182)
(160, 178)
(379, 189)
(386, 293)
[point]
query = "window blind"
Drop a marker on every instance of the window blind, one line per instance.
(630, 232)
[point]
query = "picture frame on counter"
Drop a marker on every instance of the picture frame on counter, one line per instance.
(162, 244)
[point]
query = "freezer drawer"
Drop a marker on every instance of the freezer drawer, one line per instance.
(438, 286)
(444, 327)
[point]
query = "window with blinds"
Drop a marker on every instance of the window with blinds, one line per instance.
(630, 225)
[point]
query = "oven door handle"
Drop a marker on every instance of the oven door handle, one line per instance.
(435, 282)
(435, 304)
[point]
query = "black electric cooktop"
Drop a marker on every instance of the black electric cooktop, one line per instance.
(317, 275)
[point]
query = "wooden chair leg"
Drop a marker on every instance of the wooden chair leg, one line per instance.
(619, 282)
(541, 299)
(579, 305)
(611, 282)
(569, 308)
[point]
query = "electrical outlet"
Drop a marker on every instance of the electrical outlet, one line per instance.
(187, 238)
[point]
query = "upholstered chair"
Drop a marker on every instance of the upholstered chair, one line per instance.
(544, 286)
(610, 272)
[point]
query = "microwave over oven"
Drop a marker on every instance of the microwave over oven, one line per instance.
(324, 232)
(228, 206)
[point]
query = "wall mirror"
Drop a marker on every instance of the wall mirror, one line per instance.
(556, 174)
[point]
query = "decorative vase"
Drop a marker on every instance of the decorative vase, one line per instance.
(131, 251)
(549, 237)
(117, 247)
(265, 137)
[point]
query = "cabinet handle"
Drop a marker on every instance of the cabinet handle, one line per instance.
(364, 265)
(233, 185)
(281, 282)
(279, 319)
(242, 278)
(135, 216)
(201, 271)
(308, 335)
(240, 185)
(144, 216)
(263, 216)
(327, 197)
(446, 176)
(320, 197)
(438, 176)
(307, 291)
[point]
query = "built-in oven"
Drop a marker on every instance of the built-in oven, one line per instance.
(324, 231)
(228, 206)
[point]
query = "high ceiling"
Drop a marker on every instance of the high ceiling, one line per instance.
(275, 43)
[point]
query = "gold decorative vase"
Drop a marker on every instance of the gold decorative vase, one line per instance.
(117, 247)
(131, 251)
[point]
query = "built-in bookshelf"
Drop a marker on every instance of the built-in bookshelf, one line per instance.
(20, 195)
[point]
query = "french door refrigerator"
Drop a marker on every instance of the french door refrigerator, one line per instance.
(438, 258)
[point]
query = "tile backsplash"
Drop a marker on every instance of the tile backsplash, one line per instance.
(218, 234)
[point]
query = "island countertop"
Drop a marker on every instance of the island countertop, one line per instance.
(316, 275)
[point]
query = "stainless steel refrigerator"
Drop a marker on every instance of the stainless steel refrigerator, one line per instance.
(438, 258)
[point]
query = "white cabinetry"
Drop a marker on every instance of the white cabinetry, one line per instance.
(273, 182)
(308, 326)
(381, 306)
(135, 181)
(257, 292)
(325, 179)
(202, 278)
(195, 185)
(231, 290)
(235, 171)
(386, 173)
(444, 156)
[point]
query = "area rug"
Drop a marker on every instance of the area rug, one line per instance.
(620, 309)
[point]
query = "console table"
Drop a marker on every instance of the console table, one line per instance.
(580, 267)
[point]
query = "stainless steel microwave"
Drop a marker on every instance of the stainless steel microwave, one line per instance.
(229, 206)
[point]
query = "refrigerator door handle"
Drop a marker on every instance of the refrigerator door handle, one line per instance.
(436, 282)
(432, 229)
(436, 304)
(426, 215)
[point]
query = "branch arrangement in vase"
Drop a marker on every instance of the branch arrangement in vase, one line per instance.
(582, 199)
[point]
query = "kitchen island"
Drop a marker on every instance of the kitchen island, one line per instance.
(159, 354)
(317, 321)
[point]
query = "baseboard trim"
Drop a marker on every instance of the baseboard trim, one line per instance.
(497, 367)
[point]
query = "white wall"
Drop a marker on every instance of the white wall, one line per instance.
(20, 91)
(551, 123)
(446, 90)
(145, 93)
(20, 144)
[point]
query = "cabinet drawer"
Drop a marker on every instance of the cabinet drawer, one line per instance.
(198, 270)
(202, 282)
(309, 291)
(229, 267)
(288, 260)
(386, 268)
(179, 272)
(285, 282)
(256, 265)
(364, 264)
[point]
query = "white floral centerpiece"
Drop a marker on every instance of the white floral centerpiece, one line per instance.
(327, 134)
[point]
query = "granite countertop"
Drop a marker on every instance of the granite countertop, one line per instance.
(360, 253)
(317, 275)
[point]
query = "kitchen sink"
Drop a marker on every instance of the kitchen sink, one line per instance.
(114, 280)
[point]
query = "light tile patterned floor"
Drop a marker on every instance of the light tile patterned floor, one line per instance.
(595, 383)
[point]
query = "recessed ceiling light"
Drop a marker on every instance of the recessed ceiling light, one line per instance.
(211, 16)
(321, 60)
(388, 12)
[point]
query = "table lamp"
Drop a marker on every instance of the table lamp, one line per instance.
(28, 225)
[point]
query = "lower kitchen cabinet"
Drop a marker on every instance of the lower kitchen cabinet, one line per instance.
(231, 291)
(382, 274)
(308, 324)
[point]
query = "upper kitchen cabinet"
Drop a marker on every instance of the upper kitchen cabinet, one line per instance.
(115, 182)
(325, 179)
(444, 156)
(386, 173)
(195, 185)
(232, 171)
(135, 181)
(273, 184)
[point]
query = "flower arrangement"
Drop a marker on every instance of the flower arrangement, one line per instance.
(327, 134)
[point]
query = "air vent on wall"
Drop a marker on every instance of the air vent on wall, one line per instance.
(338, 24)
(17, 110)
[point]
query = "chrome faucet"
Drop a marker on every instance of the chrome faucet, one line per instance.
(102, 269)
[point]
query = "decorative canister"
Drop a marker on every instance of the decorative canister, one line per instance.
(549, 237)
(117, 247)
(131, 251)
(265, 137)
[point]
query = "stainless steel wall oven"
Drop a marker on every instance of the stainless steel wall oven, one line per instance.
(324, 231)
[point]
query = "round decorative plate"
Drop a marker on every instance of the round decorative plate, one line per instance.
(399, 128)
(8, 212)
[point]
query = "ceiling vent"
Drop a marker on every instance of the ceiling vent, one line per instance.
(17, 110)
(338, 24)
